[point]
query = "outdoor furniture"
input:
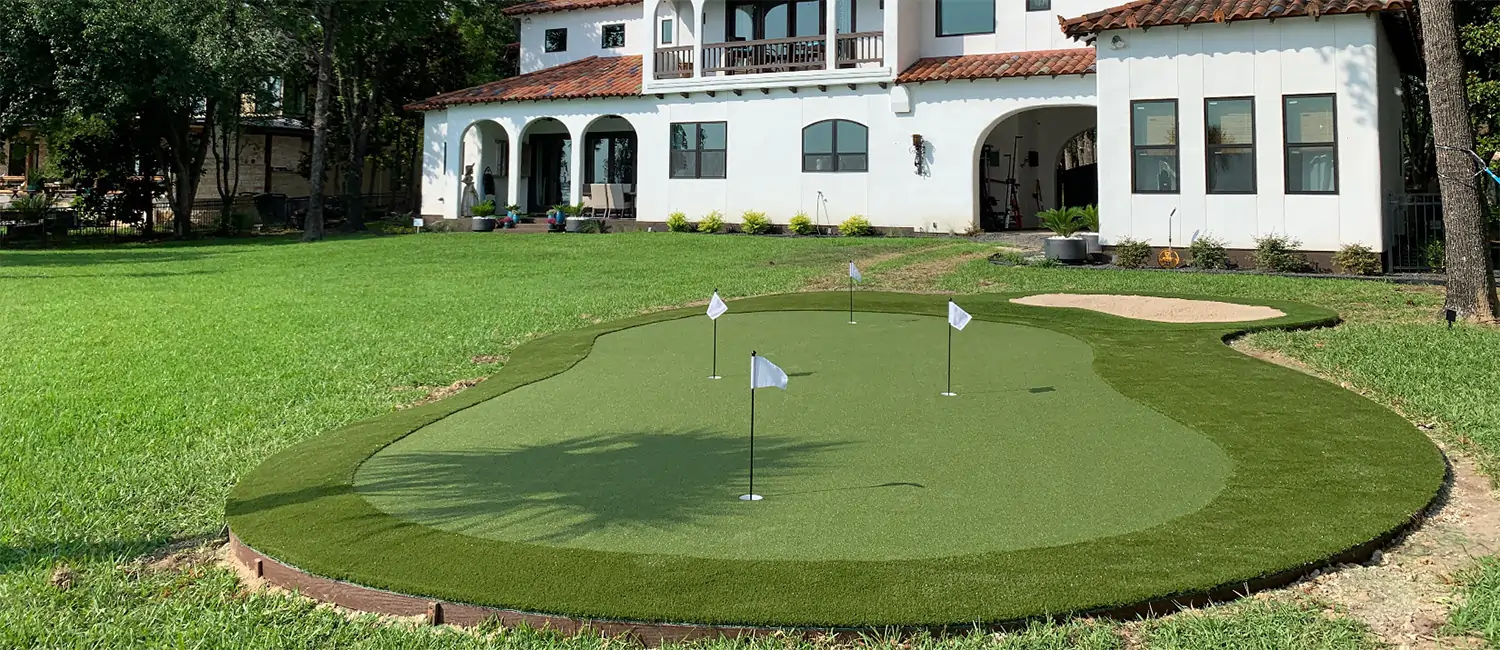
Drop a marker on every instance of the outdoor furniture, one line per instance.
(614, 198)
(595, 201)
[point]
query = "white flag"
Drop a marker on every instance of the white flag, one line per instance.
(764, 374)
(957, 317)
(716, 307)
(854, 273)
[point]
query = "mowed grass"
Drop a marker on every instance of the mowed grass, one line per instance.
(136, 384)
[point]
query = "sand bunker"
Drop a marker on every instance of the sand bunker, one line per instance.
(1165, 310)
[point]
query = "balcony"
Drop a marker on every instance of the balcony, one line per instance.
(772, 55)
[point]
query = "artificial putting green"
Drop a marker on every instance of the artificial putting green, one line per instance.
(1162, 464)
(635, 450)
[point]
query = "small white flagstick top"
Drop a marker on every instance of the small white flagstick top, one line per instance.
(764, 374)
(854, 273)
(957, 317)
(716, 306)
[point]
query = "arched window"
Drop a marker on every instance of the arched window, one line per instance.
(836, 146)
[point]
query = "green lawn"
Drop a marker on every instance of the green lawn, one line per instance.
(140, 383)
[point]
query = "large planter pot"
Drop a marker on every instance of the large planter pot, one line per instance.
(1091, 243)
(571, 225)
(484, 224)
(1068, 250)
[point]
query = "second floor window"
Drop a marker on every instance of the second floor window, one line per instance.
(1311, 145)
(1229, 132)
(666, 31)
(960, 17)
(555, 40)
(1153, 139)
(612, 36)
(836, 146)
(699, 149)
(1039, 5)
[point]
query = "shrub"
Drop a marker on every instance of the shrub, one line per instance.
(712, 222)
(1357, 259)
(1132, 253)
(1278, 253)
(1090, 218)
(1064, 222)
(802, 225)
(485, 208)
(593, 226)
(1435, 254)
(856, 226)
(755, 223)
(1009, 258)
(677, 222)
(1209, 253)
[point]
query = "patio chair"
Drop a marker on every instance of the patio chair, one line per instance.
(595, 201)
(614, 199)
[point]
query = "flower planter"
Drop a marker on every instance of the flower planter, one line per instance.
(483, 224)
(1091, 243)
(1068, 250)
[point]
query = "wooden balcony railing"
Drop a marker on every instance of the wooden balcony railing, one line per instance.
(674, 62)
(861, 47)
(771, 55)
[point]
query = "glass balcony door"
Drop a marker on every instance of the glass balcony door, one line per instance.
(754, 20)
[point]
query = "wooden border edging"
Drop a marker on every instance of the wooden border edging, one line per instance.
(438, 612)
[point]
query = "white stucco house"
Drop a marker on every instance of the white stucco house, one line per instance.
(1244, 117)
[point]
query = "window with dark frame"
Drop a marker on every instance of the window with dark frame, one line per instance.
(555, 40)
(835, 146)
(699, 150)
(666, 31)
(1229, 136)
(1039, 5)
(1310, 131)
(964, 17)
(609, 158)
(1153, 142)
(612, 36)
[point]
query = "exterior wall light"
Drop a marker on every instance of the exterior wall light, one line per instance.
(919, 148)
(1116, 42)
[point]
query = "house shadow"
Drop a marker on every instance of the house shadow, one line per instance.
(560, 491)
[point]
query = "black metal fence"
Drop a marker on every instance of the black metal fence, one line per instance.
(1416, 232)
(247, 213)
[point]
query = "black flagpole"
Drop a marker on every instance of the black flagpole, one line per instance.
(713, 373)
(751, 495)
(949, 392)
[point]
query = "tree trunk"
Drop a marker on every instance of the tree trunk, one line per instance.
(313, 227)
(360, 113)
(183, 160)
(1471, 281)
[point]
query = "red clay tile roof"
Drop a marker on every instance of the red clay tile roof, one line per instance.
(615, 76)
(1156, 13)
(1078, 60)
(545, 6)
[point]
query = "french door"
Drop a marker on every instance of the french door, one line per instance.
(754, 20)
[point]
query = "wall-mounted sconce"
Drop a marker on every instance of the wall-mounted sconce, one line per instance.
(919, 148)
(1116, 42)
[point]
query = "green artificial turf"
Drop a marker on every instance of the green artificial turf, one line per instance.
(1314, 470)
(635, 450)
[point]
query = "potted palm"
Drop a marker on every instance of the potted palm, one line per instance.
(1064, 223)
(484, 216)
(1091, 226)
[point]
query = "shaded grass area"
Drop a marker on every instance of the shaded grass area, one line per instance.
(1317, 470)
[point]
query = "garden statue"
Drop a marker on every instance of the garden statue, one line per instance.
(469, 198)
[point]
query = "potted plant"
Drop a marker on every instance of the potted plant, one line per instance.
(1064, 223)
(572, 215)
(484, 215)
(1091, 225)
(514, 212)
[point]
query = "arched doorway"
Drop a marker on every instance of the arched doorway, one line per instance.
(546, 159)
(1017, 164)
(484, 155)
(609, 156)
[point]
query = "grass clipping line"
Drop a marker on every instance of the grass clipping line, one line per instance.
(1318, 471)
